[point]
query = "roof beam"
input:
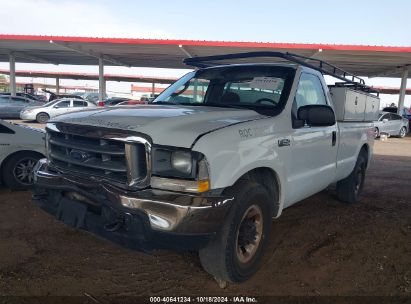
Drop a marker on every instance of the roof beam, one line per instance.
(184, 50)
(33, 58)
(315, 54)
(397, 70)
(81, 50)
(90, 76)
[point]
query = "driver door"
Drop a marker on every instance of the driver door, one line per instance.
(60, 107)
(311, 161)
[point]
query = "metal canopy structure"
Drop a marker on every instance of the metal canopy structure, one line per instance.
(90, 76)
(138, 78)
(361, 60)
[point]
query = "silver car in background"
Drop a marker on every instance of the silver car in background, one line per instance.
(53, 108)
(392, 124)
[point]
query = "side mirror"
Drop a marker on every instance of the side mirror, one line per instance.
(316, 116)
(385, 120)
(56, 107)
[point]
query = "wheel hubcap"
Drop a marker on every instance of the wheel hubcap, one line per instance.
(42, 118)
(23, 171)
(249, 234)
(402, 132)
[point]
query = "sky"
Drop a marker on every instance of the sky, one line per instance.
(336, 22)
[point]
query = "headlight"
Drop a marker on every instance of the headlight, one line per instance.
(179, 170)
(182, 161)
(173, 163)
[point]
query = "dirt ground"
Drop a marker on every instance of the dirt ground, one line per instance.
(317, 247)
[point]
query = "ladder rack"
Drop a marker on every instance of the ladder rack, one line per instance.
(322, 66)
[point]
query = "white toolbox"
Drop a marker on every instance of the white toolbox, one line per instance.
(352, 105)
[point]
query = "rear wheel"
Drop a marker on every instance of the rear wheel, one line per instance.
(236, 252)
(350, 188)
(42, 117)
(17, 172)
(403, 132)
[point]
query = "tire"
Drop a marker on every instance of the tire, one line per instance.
(403, 132)
(42, 117)
(224, 257)
(17, 173)
(350, 188)
(376, 133)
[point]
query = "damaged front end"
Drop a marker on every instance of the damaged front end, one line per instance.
(101, 182)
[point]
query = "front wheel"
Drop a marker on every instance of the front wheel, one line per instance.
(236, 252)
(350, 188)
(403, 132)
(18, 170)
(42, 117)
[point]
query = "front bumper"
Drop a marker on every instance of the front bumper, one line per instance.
(27, 116)
(146, 219)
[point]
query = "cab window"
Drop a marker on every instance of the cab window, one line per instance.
(18, 101)
(309, 91)
(386, 116)
(63, 104)
(79, 103)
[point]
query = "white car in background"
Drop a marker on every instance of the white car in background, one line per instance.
(20, 149)
(53, 108)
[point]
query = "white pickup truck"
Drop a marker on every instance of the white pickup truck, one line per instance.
(212, 160)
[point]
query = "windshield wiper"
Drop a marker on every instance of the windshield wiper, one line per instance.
(207, 104)
(177, 103)
(164, 103)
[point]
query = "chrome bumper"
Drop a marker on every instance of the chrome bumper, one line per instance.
(166, 211)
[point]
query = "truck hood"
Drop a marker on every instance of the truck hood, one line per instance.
(165, 124)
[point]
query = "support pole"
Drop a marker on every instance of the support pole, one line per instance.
(57, 85)
(403, 88)
(153, 89)
(12, 60)
(101, 82)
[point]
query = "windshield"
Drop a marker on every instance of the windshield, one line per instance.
(51, 102)
(260, 88)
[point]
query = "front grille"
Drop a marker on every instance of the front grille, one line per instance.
(99, 157)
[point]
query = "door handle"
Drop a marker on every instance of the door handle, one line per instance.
(334, 138)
